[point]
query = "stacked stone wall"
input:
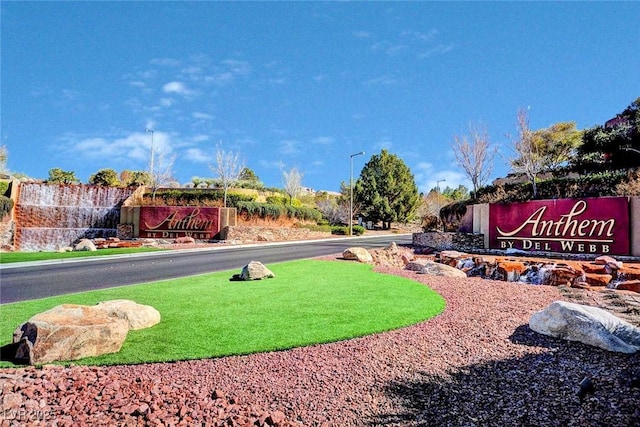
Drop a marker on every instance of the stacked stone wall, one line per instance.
(463, 242)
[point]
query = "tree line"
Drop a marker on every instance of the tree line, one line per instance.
(385, 191)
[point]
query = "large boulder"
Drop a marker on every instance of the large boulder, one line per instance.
(69, 332)
(563, 275)
(451, 257)
(255, 270)
(510, 269)
(438, 269)
(417, 264)
(390, 256)
(589, 325)
(357, 254)
(629, 285)
(138, 316)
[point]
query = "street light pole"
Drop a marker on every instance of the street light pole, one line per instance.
(438, 199)
(152, 152)
(351, 192)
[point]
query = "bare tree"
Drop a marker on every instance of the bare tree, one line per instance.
(228, 168)
(475, 155)
(529, 159)
(4, 154)
(162, 173)
(336, 209)
(292, 181)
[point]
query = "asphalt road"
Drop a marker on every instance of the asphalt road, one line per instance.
(25, 281)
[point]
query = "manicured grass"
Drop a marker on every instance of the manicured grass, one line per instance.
(308, 302)
(7, 257)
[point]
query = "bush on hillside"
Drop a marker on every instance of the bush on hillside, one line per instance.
(4, 188)
(631, 185)
(197, 197)
(593, 185)
(6, 204)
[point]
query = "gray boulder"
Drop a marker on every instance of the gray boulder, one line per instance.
(437, 269)
(255, 270)
(589, 325)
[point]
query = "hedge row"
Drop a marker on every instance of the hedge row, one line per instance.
(275, 211)
(200, 197)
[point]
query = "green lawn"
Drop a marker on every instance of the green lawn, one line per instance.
(308, 302)
(8, 257)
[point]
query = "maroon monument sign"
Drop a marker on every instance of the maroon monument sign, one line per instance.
(170, 222)
(590, 225)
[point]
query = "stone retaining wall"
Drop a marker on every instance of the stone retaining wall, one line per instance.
(463, 242)
(244, 233)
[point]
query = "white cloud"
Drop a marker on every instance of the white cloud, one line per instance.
(439, 49)
(176, 87)
(427, 178)
(388, 47)
(166, 62)
(290, 147)
(361, 34)
(383, 143)
(198, 155)
(227, 72)
(323, 140)
(220, 79)
(191, 70)
(237, 67)
(420, 36)
(202, 116)
(134, 146)
(385, 80)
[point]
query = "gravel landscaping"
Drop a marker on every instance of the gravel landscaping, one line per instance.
(476, 364)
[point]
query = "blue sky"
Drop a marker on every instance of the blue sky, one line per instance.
(302, 84)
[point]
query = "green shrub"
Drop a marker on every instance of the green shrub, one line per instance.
(339, 230)
(316, 227)
(342, 230)
(4, 188)
(6, 204)
(278, 200)
(358, 230)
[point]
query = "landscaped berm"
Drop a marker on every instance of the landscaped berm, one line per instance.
(307, 302)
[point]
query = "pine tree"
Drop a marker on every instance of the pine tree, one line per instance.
(386, 190)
